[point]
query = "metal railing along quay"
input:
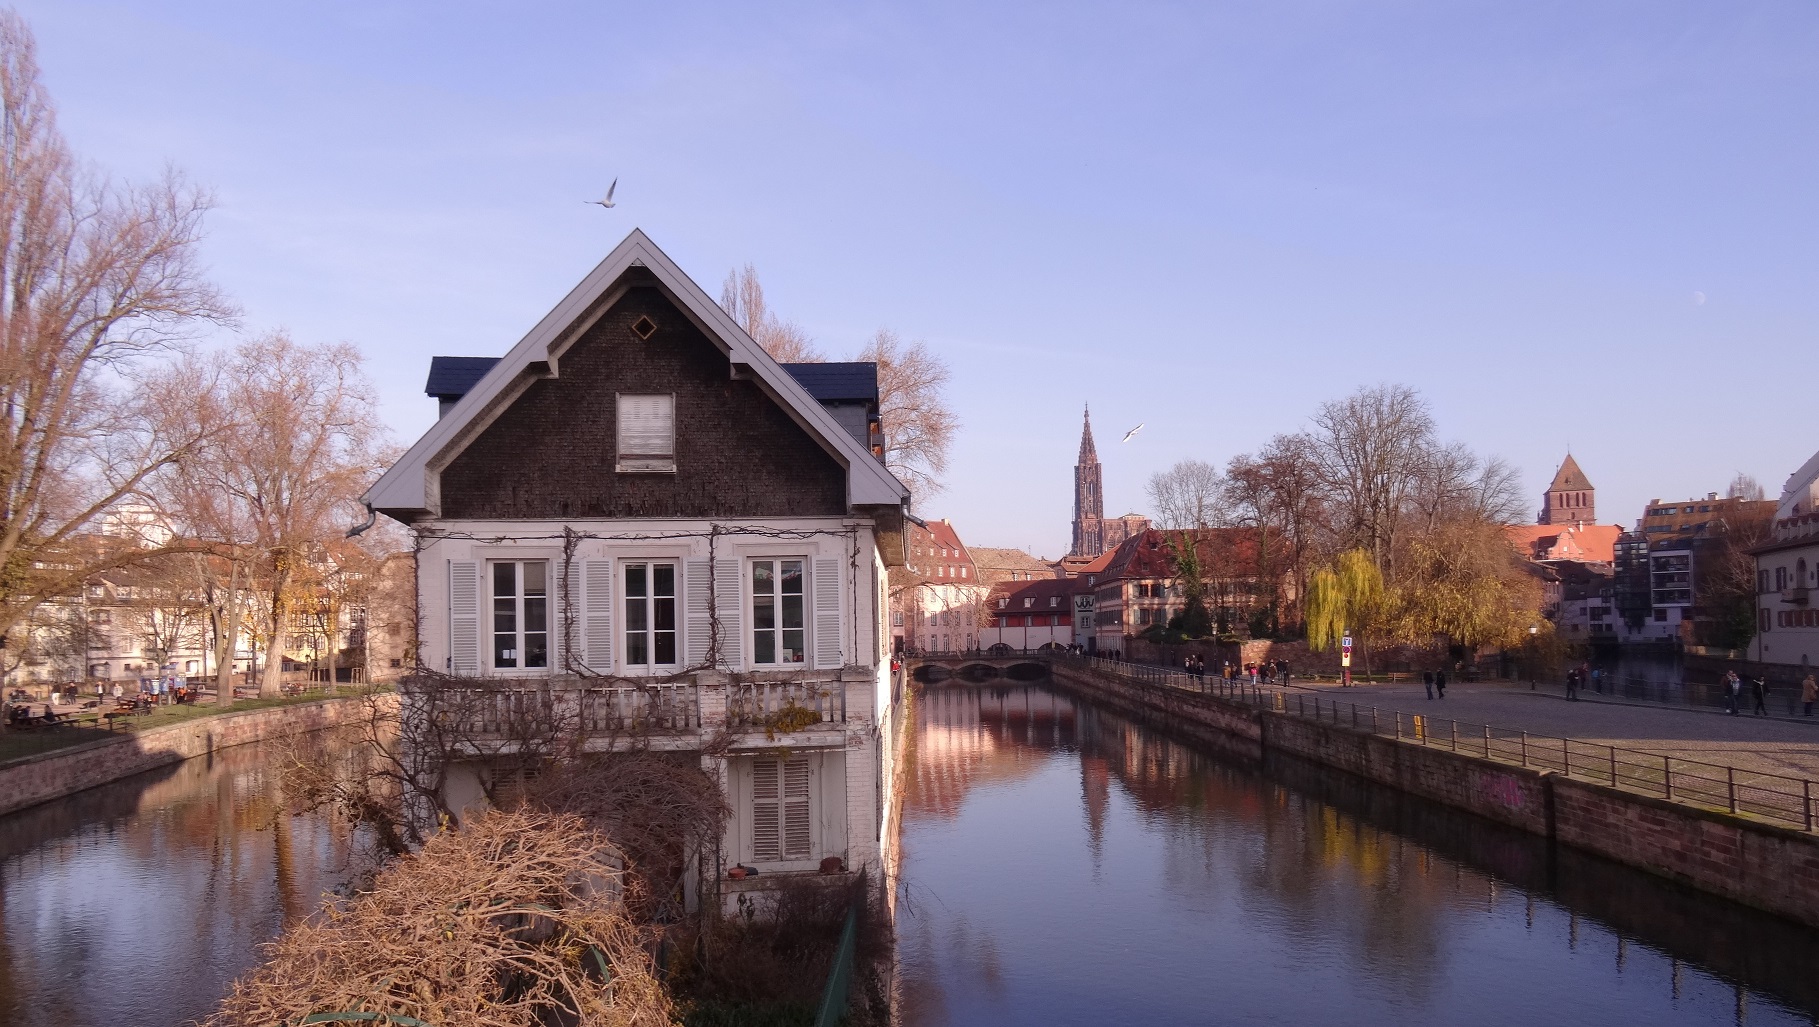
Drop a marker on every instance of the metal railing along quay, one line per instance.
(1774, 797)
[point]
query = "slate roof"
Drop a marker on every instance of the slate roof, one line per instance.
(845, 381)
(453, 377)
(851, 381)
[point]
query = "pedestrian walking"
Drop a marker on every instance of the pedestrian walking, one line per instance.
(1283, 666)
(1440, 682)
(1598, 680)
(1760, 688)
(1733, 692)
(1427, 682)
(1572, 685)
(1809, 693)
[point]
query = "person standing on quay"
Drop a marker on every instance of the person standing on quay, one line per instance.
(1572, 685)
(1427, 682)
(1440, 682)
(1809, 693)
(1760, 687)
(1733, 692)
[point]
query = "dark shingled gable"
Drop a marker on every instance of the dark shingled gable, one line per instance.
(551, 454)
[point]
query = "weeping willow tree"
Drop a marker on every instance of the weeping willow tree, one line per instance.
(1346, 596)
(1467, 583)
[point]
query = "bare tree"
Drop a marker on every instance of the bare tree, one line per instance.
(743, 297)
(96, 278)
(912, 403)
(1745, 487)
(305, 441)
(1190, 494)
(1372, 449)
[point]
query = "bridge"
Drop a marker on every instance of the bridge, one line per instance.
(1000, 662)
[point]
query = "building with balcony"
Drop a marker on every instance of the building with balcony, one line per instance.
(639, 525)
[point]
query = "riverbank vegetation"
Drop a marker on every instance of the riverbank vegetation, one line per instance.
(1367, 523)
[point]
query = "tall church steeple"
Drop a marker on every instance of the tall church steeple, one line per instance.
(1571, 499)
(1089, 496)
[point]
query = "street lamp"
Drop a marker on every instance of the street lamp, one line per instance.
(1533, 630)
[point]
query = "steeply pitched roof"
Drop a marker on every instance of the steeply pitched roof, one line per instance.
(409, 486)
(848, 381)
(1569, 478)
(454, 377)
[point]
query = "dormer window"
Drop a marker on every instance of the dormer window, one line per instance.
(1002, 603)
(1054, 600)
(1028, 602)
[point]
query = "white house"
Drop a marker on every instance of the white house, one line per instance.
(638, 510)
(1787, 622)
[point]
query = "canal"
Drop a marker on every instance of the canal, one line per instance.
(140, 901)
(1064, 865)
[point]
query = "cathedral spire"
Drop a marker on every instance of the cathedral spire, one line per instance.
(1088, 454)
(1089, 498)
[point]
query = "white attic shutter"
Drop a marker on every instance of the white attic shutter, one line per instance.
(729, 604)
(696, 622)
(647, 433)
(464, 618)
(827, 614)
(597, 616)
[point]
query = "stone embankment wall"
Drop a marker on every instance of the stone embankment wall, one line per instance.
(30, 780)
(1761, 865)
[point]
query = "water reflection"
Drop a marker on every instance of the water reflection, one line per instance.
(1065, 865)
(138, 902)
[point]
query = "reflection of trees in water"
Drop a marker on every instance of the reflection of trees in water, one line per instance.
(1332, 863)
(162, 885)
(1319, 878)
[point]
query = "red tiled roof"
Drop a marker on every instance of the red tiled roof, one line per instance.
(1223, 552)
(1586, 543)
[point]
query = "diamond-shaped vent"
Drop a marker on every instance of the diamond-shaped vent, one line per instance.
(644, 327)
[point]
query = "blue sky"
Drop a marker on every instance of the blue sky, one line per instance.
(1205, 217)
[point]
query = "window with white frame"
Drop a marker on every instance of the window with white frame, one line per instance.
(647, 433)
(650, 614)
(520, 614)
(779, 637)
(782, 816)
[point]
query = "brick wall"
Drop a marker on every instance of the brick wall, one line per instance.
(1770, 868)
(551, 453)
(30, 780)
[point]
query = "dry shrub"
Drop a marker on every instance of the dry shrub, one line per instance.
(655, 806)
(769, 966)
(515, 920)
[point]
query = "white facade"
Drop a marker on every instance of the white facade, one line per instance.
(1787, 571)
(762, 642)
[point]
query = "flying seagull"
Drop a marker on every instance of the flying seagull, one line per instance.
(1128, 434)
(608, 202)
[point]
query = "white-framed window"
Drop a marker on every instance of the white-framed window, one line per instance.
(520, 614)
(782, 813)
(650, 613)
(779, 615)
(647, 433)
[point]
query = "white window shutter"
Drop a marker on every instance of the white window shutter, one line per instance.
(696, 622)
(767, 826)
(597, 615)
(797, 810)
(827, 614)
(464, 618)
(729, 604)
